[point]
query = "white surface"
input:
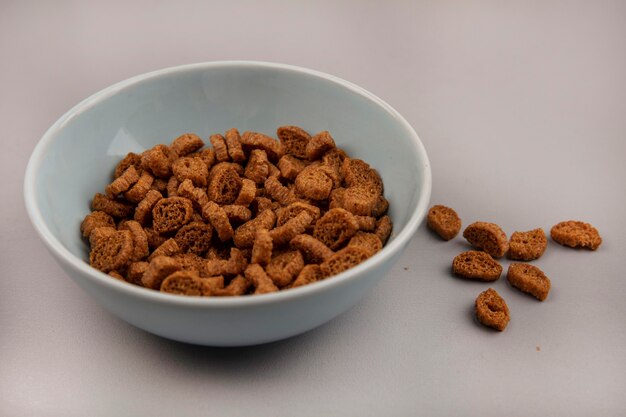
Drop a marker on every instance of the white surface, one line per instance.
(521, 108)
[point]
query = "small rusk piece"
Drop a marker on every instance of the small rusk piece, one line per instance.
(444, 221)
(476, 265)
(527, 246)
(111, 250)
(529, 279)
(488, 237)
(576, 234)
(491, 310)
(294, 140)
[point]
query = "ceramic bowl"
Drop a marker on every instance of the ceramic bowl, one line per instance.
(76, 157)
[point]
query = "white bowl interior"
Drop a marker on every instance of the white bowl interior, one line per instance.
(77, 156)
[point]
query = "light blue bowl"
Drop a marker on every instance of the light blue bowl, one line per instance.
(76, 157)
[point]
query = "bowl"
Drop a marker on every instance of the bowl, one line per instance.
(75, 159)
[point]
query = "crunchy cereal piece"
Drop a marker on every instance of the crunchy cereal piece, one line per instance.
(246, 233)
(257, 168)
(190, 168)
(527, 246)
(186, 144)
(374, 207)
(170, 214)
(319, 145)
(360, 200)
(491, 310)
(154, 239)
(172, 186)
(94, 220)
(135, 272)
(237, 286)
(314, 182)
(369, 241)
(279, 192)
(294, 140)
(219, 145)
(219, 220)
(259, 279)
(187, 189)
(234, 265)
(488, 237)
(191, 262)
(143, 212)
(290, 166)
(194, 237)
(140, 239)
(159, 184)
(138, 191)
(576, 234)
(158, 160)
(160, 267)
(344, 259)
(255, 140)
(207, 155)
(184, 283)
(224, 183)
(336, 198)
(246, 193)
(444, 221)
(260, 204)
(476, 265)
(335, 228)
(237, 214)
(284, 214)
(366, 223)
(358, 173)
(213, 284)
(273, 171)
(309, 274)
(284, 267)
(123, 182)
(529, 279)
(334, 159)
(131, 159)
(381, 207)
(233, 144)
(168, 248)
(117, 276)
(111, 250)
(332, 174)
(262, 247)
(238, 168)
(281, 235)
(313, 250)
(111, 207)
(197, 195)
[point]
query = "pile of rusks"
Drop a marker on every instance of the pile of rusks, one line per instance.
(249, 215)
(492, 243)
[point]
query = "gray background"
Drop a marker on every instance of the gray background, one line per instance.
(521, 106)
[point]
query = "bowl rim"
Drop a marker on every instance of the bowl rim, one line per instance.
(58, 249)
